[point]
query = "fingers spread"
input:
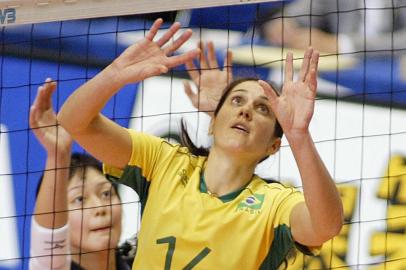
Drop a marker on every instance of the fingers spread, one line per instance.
(270, 93)
(168, 34)
(153, 70)
(154, 29)
(176, 60)
(202, 58)
(314, 64)
(37, 100)
(311, 78)
(189, 92)
(228, 65)
(33, 117)
(289, 67)
(178, 42)
(193, 72)
(211, 55)
(41, 102)
(312, 81)
(46, 93)
(305, 64)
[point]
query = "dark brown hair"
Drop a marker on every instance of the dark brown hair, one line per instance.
(82, 162)
(79, 163)
(202, 151)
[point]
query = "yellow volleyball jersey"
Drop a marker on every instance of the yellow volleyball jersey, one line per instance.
(183, 227)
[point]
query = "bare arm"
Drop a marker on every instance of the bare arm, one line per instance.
(320, 217)
(80, 115)
(51, 204)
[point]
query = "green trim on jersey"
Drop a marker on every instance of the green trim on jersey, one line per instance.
(225, 198)
(133, 178)
(281, 245)
(185, 228)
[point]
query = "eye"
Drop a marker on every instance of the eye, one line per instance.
(236, 100)
(78, 200)
(262, 108)
(106, 194)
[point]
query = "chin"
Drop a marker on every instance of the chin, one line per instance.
(102, 242)
(236, 147)
(102, 245)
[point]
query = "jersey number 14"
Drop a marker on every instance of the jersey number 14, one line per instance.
(171, 241)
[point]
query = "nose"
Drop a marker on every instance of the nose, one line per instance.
(246, 112)
(98, 207)
(101, 210)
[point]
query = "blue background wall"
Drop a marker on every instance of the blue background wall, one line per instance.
(83, 48)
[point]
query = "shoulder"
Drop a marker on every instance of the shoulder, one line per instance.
(275, 190)
(268, 183)
(137, 136)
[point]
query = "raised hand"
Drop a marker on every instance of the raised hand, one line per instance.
(43, 123)
(295, 106)
(210, 81)
(148, 58)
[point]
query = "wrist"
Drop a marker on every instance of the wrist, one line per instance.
(111, 76)
(60, 157)
(298, 137)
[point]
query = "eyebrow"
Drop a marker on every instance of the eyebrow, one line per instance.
(246, 91)
(75, 187)
(81, 185)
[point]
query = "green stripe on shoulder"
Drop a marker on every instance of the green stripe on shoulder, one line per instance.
(133, 178)
(280, 247)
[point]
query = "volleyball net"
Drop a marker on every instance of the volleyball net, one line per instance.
(359, 125)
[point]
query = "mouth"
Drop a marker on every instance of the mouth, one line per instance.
(102, 229)
(241, 127)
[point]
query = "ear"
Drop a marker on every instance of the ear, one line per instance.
(274, 146)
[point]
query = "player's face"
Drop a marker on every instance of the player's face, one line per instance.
(94, 212)
(245, 124)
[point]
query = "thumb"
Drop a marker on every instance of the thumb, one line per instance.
(270, 93)
(153, 70)
(33, 117)
(189, 92)
(228, 65)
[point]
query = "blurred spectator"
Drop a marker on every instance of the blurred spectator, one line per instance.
(236, 17)
(340, 26)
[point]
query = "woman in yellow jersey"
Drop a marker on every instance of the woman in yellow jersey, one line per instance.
(213, 212)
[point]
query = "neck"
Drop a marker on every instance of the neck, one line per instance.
(225, 173)
(101, 260)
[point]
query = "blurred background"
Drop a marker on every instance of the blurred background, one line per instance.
(359, 125)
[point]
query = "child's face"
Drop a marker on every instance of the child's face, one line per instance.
(94, 212)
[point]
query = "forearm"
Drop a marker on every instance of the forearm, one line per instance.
(51, 203)
(80, 116)
(321, 195)
(50, 248)
(89, 100)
